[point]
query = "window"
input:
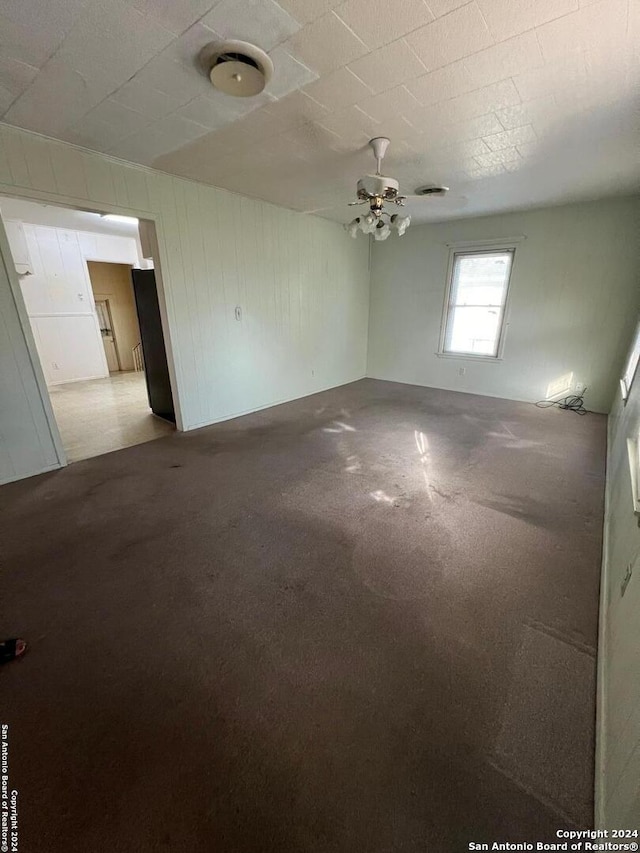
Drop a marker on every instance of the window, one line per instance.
(476, 299)
(631, 366)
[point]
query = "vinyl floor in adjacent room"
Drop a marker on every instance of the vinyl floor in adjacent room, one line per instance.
(362, 621)
(100, 415)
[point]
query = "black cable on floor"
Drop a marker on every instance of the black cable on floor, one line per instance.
(573, 403)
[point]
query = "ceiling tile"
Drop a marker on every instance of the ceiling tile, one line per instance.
(388, 66)
(15, 76)
(443, 7)
(217, 110)
(510, 57)
(452, 37)
(528, 150)
(294, 110)
(26, 43)
(378, 22)
(289, 74)
(511, 138)
(338, 89)
(6, 99)
(306, 11)
(173, 15)
(389, 105)
(169, 134)
(351, 124)
(50, 19)
(442, 84)
(187, 48)
(603, 23)
(472, 128)
(508, 18)
(147, 101)
(174, 79)
(349, 139)
(112, 39)
(633, 23)
(56, 99)
(460, 150)
(120, 119)
(106, 125)
(310, 45)
(498, 158)
(261, 22)
(179, 129)
(525, 113)
(261, 124)
(559, 76)
(478, 103)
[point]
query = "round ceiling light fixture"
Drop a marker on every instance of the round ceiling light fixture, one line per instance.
(237, 68)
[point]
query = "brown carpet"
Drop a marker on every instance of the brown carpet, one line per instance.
(363, 621)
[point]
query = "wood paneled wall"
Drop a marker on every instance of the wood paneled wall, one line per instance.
(301, 282)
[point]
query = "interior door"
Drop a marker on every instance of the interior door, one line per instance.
(156, 369)
(106, 330)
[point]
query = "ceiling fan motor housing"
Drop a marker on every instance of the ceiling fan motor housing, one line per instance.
(377, 186)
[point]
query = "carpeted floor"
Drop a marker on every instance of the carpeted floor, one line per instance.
(363, 621)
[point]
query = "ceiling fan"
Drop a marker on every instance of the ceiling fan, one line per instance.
(377, 189)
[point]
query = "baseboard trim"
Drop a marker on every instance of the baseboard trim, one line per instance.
(599, 790)
(531, 401)
(244, 412)
(15, 477)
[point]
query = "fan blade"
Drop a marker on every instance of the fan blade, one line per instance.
(362, 201)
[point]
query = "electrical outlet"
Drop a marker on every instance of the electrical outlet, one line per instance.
(580, 387)
(462, 371)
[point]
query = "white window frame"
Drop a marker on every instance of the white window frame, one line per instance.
(628, 376)
(480, 248)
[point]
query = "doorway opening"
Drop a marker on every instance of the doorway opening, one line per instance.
(89, 289)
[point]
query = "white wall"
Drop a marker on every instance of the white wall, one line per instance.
(573, 298)
(618, 765)
(58, 295)
(301, 281)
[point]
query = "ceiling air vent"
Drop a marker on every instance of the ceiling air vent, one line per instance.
(237, 68)
(431, 190)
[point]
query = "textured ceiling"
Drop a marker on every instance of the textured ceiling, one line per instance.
(511, 103)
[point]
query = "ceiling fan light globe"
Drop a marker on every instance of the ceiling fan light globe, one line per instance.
(368, 224)
(382, 231)
(352, 227)
(401, 224)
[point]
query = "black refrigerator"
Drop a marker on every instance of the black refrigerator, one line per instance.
(156, 369)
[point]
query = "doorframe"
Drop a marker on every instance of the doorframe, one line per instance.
(14, 282)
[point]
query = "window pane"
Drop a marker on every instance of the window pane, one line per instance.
(474, 330)
(477, 296)
(480, 279)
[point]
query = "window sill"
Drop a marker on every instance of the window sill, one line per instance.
(469, 356)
